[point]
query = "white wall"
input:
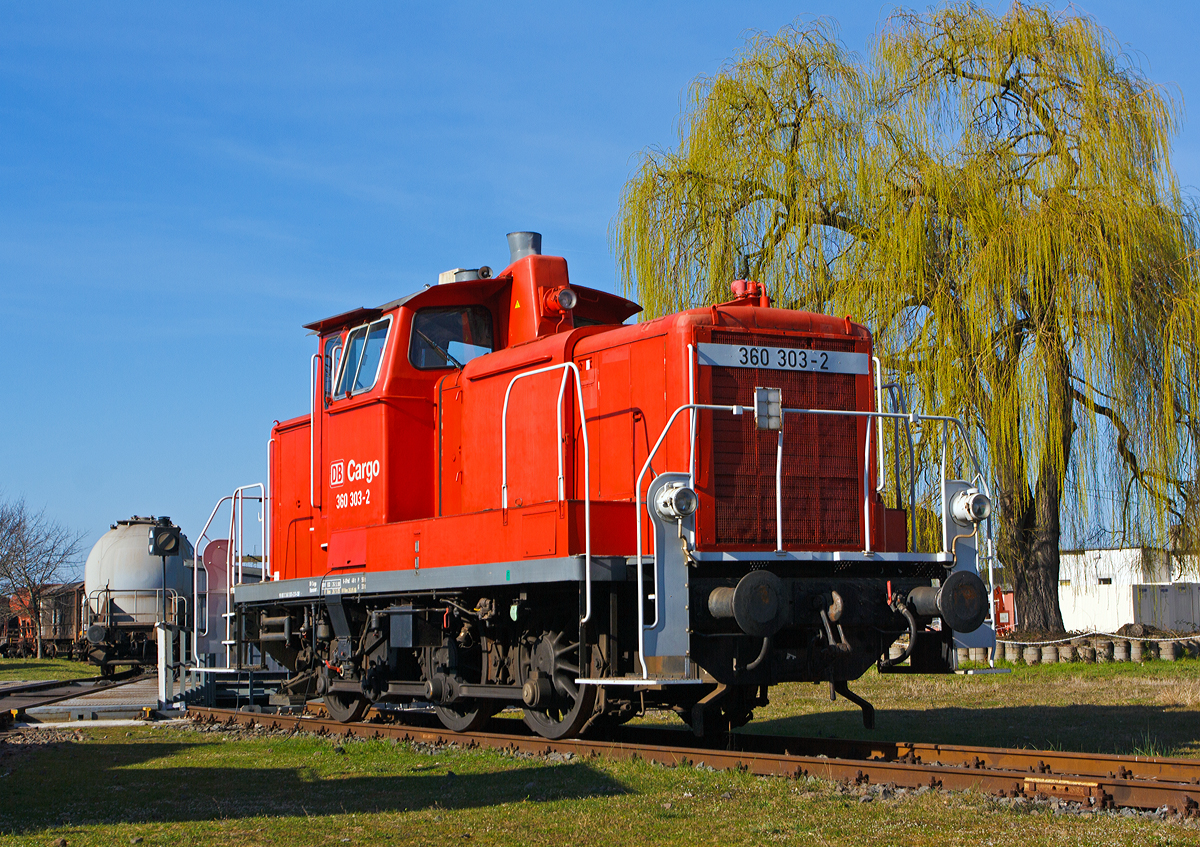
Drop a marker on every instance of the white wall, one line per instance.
(1125, 566)
(1106, 589)
(1109, 607)
(1096, 607)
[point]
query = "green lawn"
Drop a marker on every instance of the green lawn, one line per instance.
(35, 669)
(179, 787)
(174, 786)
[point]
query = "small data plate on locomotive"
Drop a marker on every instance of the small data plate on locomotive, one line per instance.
(784, 358)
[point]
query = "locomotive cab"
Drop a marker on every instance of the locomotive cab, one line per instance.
(505, 495)
(372, 436)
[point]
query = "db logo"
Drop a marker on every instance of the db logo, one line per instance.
(337, 474)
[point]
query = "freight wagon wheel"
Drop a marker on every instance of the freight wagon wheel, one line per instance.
(557, 706)
(346, 708)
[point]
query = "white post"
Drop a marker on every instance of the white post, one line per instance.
(165, 660)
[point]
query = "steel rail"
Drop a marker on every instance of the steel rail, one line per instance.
(991, 770)
(9, 689)
(17, 701)
(1033, 761)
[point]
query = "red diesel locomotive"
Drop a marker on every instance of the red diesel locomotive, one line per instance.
(506, 496)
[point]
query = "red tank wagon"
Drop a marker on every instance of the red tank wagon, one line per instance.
(505, 496)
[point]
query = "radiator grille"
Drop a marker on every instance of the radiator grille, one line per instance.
(822, 458)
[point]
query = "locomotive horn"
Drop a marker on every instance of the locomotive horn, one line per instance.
(522, 244)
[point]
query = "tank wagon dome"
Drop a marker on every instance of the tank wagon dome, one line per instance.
(121, 562)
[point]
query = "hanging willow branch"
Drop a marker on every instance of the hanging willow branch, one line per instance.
(993, 195)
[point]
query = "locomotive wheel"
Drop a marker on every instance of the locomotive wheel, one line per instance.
(554, 660)
(468, 715)
(464, 720)
(346, 708)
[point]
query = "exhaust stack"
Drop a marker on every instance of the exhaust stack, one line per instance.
(522, 244)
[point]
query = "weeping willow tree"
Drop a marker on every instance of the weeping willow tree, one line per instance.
(993, 195)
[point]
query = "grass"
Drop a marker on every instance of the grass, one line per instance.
(174, 786)
(1110, 708)
(180, 787)
(35, 669)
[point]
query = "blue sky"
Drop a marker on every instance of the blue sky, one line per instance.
(182, 188)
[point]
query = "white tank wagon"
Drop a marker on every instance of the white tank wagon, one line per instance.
(128, 590)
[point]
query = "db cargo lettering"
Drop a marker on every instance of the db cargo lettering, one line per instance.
(356, 471)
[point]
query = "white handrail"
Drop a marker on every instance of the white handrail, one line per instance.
(779, 493)
(266, 513)
(236, 554)
(198, 563)
(866, 486)
(566, 367)
(879, 480)
(637, 494)
(694, 420)
(911, 418)
(312, 430)
(102, 608)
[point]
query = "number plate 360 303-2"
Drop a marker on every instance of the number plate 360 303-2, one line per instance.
(783, 358)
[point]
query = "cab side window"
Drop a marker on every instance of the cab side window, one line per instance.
(333, 358)
(449, 337)
(362, 357)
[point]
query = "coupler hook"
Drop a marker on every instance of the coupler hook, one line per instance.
(868, 711)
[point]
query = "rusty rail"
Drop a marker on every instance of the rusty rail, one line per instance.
(1161, 769)
(1096, 780)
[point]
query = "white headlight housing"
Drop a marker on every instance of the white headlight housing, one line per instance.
(675, 501)
(970, 506)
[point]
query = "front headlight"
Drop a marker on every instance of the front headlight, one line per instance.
(970, 506)
(676, 501)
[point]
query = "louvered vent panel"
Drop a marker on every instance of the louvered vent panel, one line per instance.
(822, 461)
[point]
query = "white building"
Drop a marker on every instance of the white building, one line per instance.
(1105, 589)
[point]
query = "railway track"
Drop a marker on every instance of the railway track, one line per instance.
(1095, 780)
(16, 698)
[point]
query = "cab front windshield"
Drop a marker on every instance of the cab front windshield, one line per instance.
(449, 337)
(364, 353)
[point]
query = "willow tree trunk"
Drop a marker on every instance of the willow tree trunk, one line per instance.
(1035, 568)
(1031, 523)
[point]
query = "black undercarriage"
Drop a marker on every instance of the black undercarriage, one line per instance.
(121, 645)
(473, 652)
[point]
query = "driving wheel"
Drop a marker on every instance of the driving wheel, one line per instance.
(346, 708)
(556, 706)
(465, 715)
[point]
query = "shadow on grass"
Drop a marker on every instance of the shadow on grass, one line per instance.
(80, 784)
(41, 665)
(32, 665)
(1133, 730)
